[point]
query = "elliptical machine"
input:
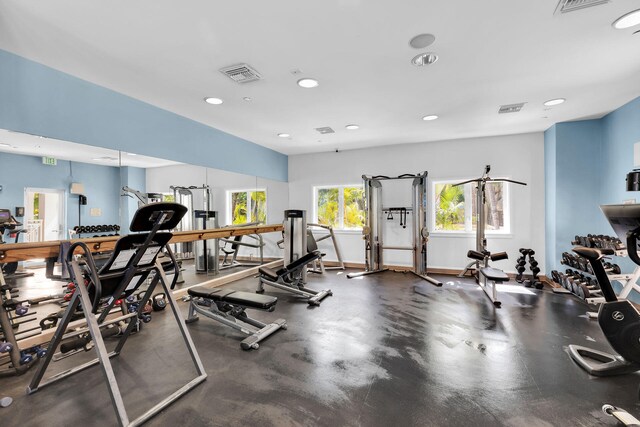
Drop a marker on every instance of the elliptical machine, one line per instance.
(619, 319)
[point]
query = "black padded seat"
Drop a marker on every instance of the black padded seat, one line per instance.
(246, 299)
(588, 253)
(494, 274)
(270, 273)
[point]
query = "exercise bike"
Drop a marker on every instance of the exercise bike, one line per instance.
(10, 224)
(618, 319)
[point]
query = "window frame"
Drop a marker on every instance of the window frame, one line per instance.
(468, 213)
(248, 191)
(341, 206)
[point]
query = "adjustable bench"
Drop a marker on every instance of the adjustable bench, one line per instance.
(289, 278)
(228, 307)
(489, 274)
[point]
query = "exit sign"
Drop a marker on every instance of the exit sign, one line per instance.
(49, 161)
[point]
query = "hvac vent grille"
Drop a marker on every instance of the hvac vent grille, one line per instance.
(325, 130)
(511, 108)
(241, 73)
(572, 5)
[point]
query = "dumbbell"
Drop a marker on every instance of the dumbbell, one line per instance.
(6, 347)
(22, 309)
(39, 351)
(25, 358)
(159, 302)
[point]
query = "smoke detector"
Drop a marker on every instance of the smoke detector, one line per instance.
(241, 73)
(511, 108)
(325, 130)
(572, 5)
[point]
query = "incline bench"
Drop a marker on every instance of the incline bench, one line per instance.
(228, 307)
(289, 278)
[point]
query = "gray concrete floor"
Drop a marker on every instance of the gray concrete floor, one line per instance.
(377, 353)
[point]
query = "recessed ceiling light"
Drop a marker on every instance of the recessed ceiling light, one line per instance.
(352, 127)
(422, 40)
(424, 59)
(247, 98)
(552, 102)
(308, 83)
(213, 101)
(429, 117)
(2, 144)
(284, 135)
(631, 19)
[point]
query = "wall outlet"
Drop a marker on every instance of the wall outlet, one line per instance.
(95, 212)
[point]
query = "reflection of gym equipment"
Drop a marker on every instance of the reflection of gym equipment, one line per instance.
(143, 198)
(481, 256)
(231, 247)
(134, 259)
(292, 277)
(206, 251)
(618, 319)
(184, 196)
(9, 223)
(228, 307)
(373, 235)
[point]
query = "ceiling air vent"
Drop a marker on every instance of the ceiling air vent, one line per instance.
(572, 5)
(325, 130)
(241, 73)
(511, 108)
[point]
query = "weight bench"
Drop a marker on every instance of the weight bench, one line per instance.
(489, 274)
(228, 307)
(289, 278)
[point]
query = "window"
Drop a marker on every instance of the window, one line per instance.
(247, 206)
(341, 207)
(455, 207)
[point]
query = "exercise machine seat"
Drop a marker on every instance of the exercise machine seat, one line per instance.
(246, 299)
(494, 274)
(269, 273)
(588, 253)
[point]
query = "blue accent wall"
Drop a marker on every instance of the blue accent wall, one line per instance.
(550, 227)
(586, 163)
(101, 184)
(40, 100)
(621, 130)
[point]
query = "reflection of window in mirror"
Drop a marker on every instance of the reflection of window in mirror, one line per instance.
(247, 206)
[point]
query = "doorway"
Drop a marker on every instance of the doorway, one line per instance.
(45, 214)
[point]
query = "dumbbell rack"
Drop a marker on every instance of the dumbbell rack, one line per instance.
(627, 280)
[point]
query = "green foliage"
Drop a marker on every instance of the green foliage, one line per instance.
(259, 206)
(328, 206)
(239, 207)
(353, 207)
(449, 207)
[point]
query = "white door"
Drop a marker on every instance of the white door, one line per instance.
(45, 214)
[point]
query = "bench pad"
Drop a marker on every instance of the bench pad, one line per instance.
(494, 274)
(246, 299)
(269, 273)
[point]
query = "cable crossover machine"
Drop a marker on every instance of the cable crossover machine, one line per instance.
(373, 235)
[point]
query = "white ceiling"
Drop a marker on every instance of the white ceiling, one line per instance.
(33, 145)
(492, 52)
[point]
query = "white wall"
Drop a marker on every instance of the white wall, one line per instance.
(519, 157)
(160, 179)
